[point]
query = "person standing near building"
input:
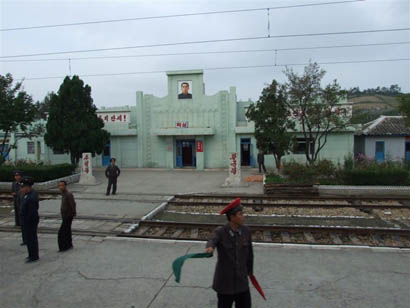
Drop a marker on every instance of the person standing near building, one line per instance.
(235, 259)
(30, 218)
(68, 212)
(15, 190)
(261, 161)
(112, 173)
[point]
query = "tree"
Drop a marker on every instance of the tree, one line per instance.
(17, 114)
(73, 126)
(316, 110)
(404, 107)
(44, 107)
(273, 123)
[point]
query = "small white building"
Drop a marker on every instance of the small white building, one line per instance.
(386, 138)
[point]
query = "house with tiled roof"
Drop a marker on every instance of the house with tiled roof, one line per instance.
(386, 138)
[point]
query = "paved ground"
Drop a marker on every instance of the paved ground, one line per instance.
(134, 273)
(163, 182)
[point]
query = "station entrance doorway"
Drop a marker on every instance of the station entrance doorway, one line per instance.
(185, 153)
(246, 152)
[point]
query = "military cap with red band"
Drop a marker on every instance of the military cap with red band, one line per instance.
(232, 207)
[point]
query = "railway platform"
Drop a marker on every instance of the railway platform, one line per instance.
(119, 272)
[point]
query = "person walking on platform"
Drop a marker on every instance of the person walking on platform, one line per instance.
(30, 218)
(261, 161)
(68, 212)
(15, 190)
(112, 173)
(235, 259)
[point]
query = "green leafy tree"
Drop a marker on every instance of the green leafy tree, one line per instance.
(273, 122)
(73, 126)
(17, 114)
(317, 110)
(43, 107)
(404, 107)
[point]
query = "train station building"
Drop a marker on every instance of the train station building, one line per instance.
(185, 129)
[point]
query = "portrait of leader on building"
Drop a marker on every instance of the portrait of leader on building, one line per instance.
(184, 89)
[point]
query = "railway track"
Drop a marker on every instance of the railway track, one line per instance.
(380, 234)
(288, 234)
(282, 234)
(294, 201)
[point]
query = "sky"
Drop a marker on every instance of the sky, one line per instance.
(113, 91)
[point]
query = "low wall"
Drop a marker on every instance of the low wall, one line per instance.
(6, 186)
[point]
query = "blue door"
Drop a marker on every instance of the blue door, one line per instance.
(179, 153)
(407, 151)
(185, 153)
(246, 152)
(106, 156)
(379, 151)
(4, 151)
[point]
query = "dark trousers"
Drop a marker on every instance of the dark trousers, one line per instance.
(65, 240)
(23, 236)
(241, 300)
(30, 234)
(262, 165)
(112, 182)
(16, 214)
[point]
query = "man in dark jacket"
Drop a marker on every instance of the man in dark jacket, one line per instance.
(261, 161)
(235, 259)
(112, 173)
(15, 190)
(30, 218)
(68, 211)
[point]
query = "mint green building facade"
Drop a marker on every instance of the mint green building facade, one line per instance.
(182, 130)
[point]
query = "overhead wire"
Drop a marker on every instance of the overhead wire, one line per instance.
(177, 15)
(210, 41)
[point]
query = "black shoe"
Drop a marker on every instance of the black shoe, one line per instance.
(107, 194)
(114, 193)
(32, 260)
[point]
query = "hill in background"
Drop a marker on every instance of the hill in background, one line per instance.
(369, 104)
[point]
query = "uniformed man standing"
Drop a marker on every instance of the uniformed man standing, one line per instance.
(261, 161)
(68, 212)
(30, 218)
(112, 173)
(235, 259)
(15, 189)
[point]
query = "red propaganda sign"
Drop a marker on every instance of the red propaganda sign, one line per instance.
(181, 124)
(86, 163)
(233, 163)
(114, 117)
(199, 146)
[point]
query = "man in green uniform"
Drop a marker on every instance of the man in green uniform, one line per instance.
(15, 190)
(235, 259)
(30, 218)
(112, 173)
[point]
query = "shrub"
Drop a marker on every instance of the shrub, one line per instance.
(323, 172)
(348, 162)
(39, 173)
(274, 179)
(393, 176)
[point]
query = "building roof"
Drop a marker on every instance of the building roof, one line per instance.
(385, 126)
(185, 72)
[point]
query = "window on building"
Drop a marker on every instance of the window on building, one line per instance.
(300, 146)
(30, 147)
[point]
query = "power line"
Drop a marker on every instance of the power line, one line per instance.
(177, 15)
(209, 41)
(209, 52)
(225, 68)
